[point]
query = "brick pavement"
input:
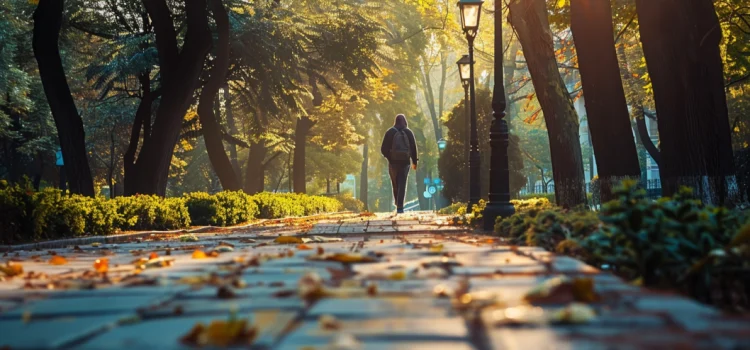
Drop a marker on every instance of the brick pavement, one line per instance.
(424, 285)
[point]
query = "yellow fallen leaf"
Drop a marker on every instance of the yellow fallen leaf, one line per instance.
(199, 254)
(58, 260)
(101, 265)
(153, 255)
(288, 240)
(304, 247)
(96, 244)
(11, 269)
(436, 248)
(398, 276)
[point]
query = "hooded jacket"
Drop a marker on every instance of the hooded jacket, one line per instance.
(385, 148)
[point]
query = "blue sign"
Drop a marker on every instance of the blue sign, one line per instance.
(59, 158)
(427, 194)
(436, 181)
(427, 181)
(432, 190)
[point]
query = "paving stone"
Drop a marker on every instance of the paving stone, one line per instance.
(564, 264)
(52, 333)
(381, 307)
(215, 306)
(402, 328)
(290, 344)
(93, 305)
(165, 333)
(689, 314)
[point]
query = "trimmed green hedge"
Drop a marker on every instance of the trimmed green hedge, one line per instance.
(28, 215)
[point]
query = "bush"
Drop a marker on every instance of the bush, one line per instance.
(235, 208)
(149, 212)
(350, 203)
(203, 208)
(27, 215)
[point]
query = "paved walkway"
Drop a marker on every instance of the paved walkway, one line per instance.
(345, 283)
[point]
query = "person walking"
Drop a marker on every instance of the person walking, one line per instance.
(400, 148)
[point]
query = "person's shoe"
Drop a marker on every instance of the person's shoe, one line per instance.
(399, 211)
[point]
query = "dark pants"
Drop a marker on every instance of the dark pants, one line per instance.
(399, 173)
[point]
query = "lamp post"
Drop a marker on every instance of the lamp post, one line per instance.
(442, 144)
(499, 196)
(470, 14)
(464, 72)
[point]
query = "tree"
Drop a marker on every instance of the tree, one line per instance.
(212, 133)
(606, 107)
(452, 160)
(686, 70)
(47, 23)
(529, 18)
(179, 70)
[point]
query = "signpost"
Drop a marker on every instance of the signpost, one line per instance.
(60, 164)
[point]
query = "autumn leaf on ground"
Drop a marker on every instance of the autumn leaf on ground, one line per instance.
(153, 255)
(288, 240)
(221, 334)
(562, 290)
(199, 254)
(11, 269)
(58, 260)
(101, 265)
(344, 258)
(304, 247)
(574, 313)
(223, 249)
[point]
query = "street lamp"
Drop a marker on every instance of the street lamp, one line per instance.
(470, 13)
(499, 196)
(464, 72)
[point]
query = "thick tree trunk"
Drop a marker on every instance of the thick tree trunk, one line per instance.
(681, 47)
(302, 129)
(47, 22)
(232, 131)
(142, 118)
(179, 71)
(255, 176)
(363, 179)
(529, 18)
(607, 110)
(212, 133)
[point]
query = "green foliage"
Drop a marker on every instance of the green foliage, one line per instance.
(202, 207)
(658, 241)
(28, 215)
(235, 208)
(350, 203)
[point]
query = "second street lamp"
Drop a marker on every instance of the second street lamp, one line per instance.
(464, 72)
(470, 14)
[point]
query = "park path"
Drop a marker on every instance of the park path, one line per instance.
(346, 282)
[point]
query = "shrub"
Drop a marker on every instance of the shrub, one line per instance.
(350, 203)
(148, 212)
(203, 208)
(235, 208)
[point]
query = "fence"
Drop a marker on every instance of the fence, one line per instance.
(653, 188)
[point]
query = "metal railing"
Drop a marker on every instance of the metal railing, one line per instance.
(653, 188)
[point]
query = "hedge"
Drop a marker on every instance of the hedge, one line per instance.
(28, 215)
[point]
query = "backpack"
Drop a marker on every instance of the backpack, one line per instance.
(400, 147)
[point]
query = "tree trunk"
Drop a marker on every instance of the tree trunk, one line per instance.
(47, 22)
(429, 97)
(529, 18)
(255, 175)
(304, 124)
(212, 133)
(441, 91)
(681, 47)
(634, 99)
(363, 179)
(232, 131)
(607, 110)
(180, 71)
(424, 203)
(142, 118)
